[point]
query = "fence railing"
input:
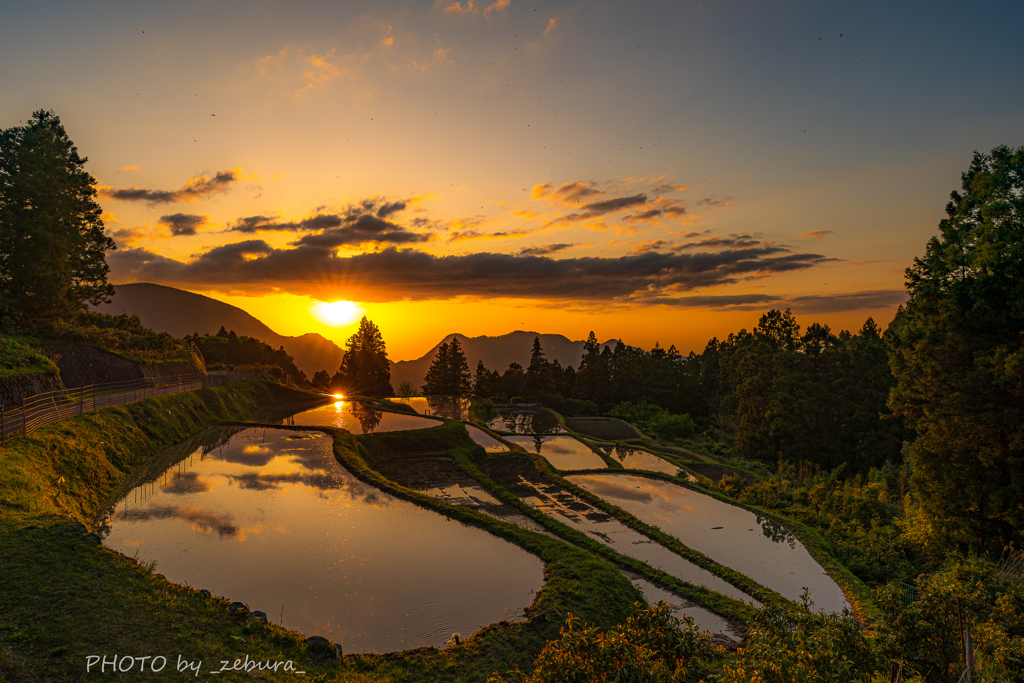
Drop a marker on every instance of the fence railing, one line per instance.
(59, 405)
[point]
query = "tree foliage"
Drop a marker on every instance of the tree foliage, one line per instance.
(958, 358)
(52, 245)
(448, 374)
(365, 368)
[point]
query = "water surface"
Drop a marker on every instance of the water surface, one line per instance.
(490, 444)
(703, 618)
(563, 452)
(737, 538)
(452, 407)
(270, 518)
(359, 418)
(578, 514)
(634, 459)
(526, 421)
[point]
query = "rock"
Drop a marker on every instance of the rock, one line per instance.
(238, 608)
(318, 643)
(259, 616)
(205, 593)
(338, 653)
(80, 528)
(94, 538)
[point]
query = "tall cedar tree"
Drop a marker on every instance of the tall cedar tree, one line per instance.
(448, 374)
(538, 374)
(52, 246)
(958, 358)
(365, 368)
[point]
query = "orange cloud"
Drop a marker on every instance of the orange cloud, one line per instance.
(129, 167)
(552, 25)
(815, 235)
(466, 235)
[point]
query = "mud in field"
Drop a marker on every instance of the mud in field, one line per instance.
(437, 475)
(517, 474)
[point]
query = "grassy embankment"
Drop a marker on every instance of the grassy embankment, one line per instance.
(65, 598)
(18, 356)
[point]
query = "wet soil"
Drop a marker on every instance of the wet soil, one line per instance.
(607, 428)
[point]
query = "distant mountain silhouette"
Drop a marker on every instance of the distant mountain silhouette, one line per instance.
(495, 352)
(179, 313)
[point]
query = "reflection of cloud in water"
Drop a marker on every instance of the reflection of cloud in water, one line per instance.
(186, 482)
(642, 494)
(263, 482)
(197, 518)
(241, 457)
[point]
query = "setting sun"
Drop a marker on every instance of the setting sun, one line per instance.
(337, 314)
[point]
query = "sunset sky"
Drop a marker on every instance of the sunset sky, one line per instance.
(652, 171)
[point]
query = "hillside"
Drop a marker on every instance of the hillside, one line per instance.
(495, 352)
(177, 312)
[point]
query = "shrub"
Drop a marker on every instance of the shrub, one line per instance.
(799, 645)
(651, 647)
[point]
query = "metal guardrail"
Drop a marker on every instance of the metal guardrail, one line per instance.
(59, 405)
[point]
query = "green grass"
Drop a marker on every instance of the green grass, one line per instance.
(18, 356)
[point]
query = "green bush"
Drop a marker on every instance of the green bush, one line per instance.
(801, 646)
(121, 334)
(651, 647)
(655, 421)
(925, 634)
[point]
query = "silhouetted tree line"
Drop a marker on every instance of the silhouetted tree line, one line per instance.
(229, 349)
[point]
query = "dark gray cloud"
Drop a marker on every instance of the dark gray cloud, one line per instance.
(723, 203)
(650, 214)
(183, 223)
(200, 186)
(363, 230)
(851, 301)
(733, 242)
(388, 208)
(393, 274)
(595, 209)
(253, 224)
(545, 250)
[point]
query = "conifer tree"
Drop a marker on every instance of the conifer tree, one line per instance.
(52, 245)
(365, 368)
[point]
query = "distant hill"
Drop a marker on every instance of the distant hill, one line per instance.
(495, 352)
(179, 313)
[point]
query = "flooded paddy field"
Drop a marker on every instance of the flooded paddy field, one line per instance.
(606, 428)
(705, 619)
(737, 538)
(563, 452)
(526, 421)
(437, 475)
(269, 517)
(359, 418)
(451, 407)
(489, 443)
(634, 459)
(520, 477)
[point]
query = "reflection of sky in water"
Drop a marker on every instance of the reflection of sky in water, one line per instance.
(563, 452)
(359, 419)
(577, 514)
(526, 422)
(452, 407)
(490, 444)
(270, 518)
(730, 535)
(633, 459)
(703, 618)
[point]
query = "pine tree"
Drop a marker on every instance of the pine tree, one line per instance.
(52, 245)
(365, 368)
(958, 359)
(448, 374)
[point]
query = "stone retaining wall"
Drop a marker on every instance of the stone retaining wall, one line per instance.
(15, 388)
(82, 365)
